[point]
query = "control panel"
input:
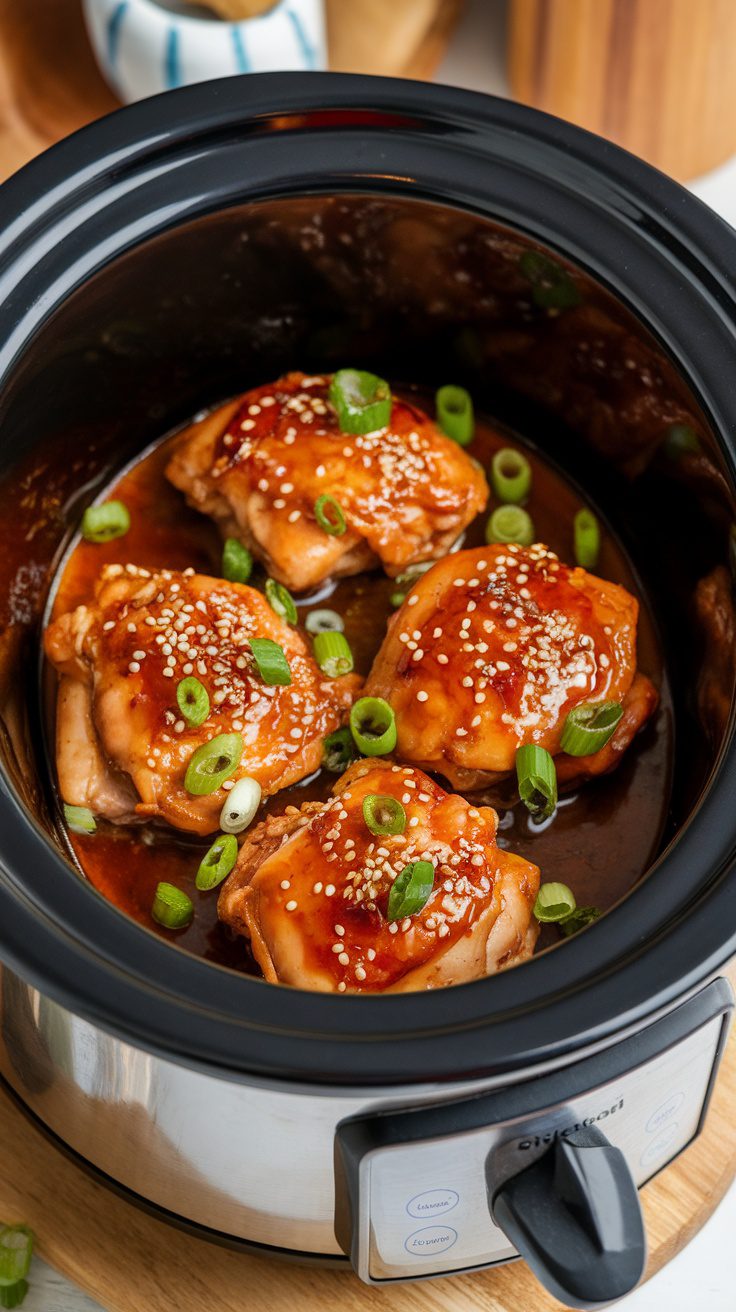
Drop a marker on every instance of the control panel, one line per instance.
(415, 1188)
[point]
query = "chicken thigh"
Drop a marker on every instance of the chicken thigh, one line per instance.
(492, 648)
(124, 743)
(311, 890)
(405, 491)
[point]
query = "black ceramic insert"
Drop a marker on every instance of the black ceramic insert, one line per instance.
(194, 244)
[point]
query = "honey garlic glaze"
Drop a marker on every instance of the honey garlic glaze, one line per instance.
(602, 837)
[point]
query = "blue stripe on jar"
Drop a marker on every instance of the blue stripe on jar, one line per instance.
(114, 24)
(242, 62)
(308, 52)
(172, 68)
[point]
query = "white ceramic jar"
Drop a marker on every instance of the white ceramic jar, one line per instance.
(147, 46)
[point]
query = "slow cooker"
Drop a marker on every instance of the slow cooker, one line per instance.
(168, 256)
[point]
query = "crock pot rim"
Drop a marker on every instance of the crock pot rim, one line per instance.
(98, 963)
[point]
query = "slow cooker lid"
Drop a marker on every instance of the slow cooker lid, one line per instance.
(151, 168)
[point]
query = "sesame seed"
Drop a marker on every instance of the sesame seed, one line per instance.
(134, 667)
(330, 890)
(359, 973)
(284, 882)
(317, 888)
(344, 959)
(291, 906)
(342, 986)
(412, 600)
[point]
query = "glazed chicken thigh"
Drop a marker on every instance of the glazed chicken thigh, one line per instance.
(405, 491)
(124, 743)
(311, 890)
(492, 648)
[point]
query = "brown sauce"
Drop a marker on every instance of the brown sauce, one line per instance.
(602, 838)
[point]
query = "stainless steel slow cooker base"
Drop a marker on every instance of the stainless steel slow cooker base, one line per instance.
(402, 1181)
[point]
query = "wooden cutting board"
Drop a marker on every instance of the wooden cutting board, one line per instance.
(50, 84)
(129, 1261)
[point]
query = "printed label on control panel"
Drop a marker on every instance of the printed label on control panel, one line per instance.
(432, 1239)
(433, 1202)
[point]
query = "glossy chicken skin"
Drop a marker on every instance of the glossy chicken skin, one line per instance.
(311, 888)
(122, 744)
(406, 491)
(491, 650)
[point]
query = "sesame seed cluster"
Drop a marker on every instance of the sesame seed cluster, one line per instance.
(521, 642)
(340, 880)
(286, 437)
(158, 628)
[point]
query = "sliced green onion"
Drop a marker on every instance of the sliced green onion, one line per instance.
(587, 539)
(384, 815)
(324, 621)
(240, 805)
(362, 401)
(552, 286)
(511, 475)
(407, 579)
(410, 890)
(580, 917)
(237, 562)
(193, 701)
(589, 726)
(455, 414)
(13, 1295)
(555, 902)
(329, 516)
(333, 655)
(373, 726)
(217, 863)
(535, 771)
(281, 601)
(681, 440)
(270, 658)
(105, 522)
(171, 907)
(510, 524)
(80, 819)
(16, 1250)
(338, 751)
(213, 763)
